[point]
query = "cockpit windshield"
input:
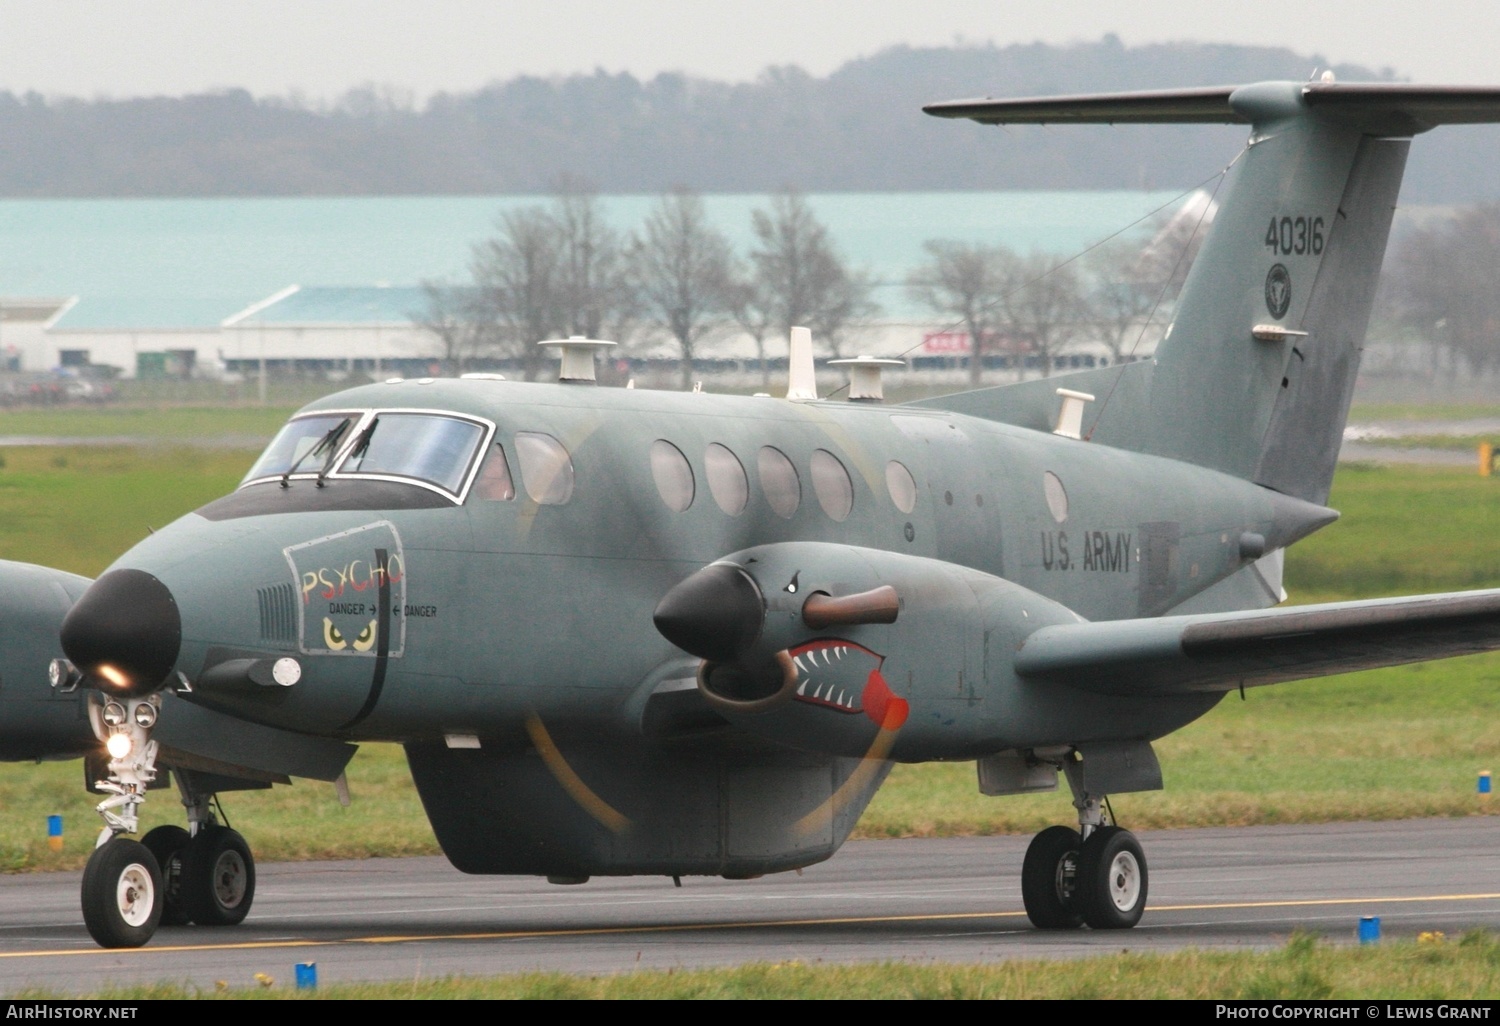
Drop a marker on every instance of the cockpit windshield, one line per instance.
(429, 448)
(305, 444)
(432, 449)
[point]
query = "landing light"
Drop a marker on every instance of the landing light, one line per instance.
(145, 715)
(63, 675)
(114, 714)
(113, 675)
(118, 745)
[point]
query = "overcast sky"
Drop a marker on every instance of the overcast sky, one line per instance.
(324, 47)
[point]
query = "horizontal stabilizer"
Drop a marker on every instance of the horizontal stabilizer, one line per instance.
(1222, 651)
(1382, 108)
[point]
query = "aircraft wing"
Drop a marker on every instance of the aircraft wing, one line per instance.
(1223, 651)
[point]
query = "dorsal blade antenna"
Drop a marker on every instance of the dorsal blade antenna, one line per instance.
(802, 383)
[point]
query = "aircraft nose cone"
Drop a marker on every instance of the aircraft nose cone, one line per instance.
(126, 631)
(715, 614)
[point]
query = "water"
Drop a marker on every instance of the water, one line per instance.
(161, 263)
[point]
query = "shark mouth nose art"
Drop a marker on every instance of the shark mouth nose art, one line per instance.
(838, 674)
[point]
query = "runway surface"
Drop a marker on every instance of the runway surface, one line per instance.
(917, 900)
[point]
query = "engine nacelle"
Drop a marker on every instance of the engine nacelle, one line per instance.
(852, 651)
(37, 719)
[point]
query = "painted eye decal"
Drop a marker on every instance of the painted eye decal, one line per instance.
(331, 636)
(366, 638)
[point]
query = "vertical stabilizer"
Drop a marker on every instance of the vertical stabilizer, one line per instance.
(1301, 443)
(1256, 371)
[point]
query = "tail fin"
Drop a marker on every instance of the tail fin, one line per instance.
(1255, 374)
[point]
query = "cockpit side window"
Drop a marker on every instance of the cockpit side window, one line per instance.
(546, 468)
(494, 483)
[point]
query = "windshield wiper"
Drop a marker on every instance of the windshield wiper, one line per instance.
(328, 443)
(360, 445)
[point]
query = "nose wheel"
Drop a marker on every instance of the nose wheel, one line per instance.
(218, 877)
(207, 878)
(122, 894)
(166, 843)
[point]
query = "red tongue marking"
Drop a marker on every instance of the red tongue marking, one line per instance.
(881, 705)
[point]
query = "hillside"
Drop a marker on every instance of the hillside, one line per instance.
(859, 128)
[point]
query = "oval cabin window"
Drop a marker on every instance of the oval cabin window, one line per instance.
(546, 468)
(673, 475)
(902, 486)
(726, 479)
(778, 479)
(831, 484)
(1057, 496)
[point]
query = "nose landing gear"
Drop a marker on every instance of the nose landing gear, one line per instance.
(172, 876)
(122, 883)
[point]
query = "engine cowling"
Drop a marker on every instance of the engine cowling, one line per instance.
(852, 651)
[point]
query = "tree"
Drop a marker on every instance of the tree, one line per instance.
(596, 296)
(966, 282)
(1441, 281)
(1044, 306)
(802, 276)
(518, 276)
(682, 265)
(752, 309)
(1123, 293)
(460, 319)
(554, 271)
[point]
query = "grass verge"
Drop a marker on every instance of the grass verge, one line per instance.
(1306, 968)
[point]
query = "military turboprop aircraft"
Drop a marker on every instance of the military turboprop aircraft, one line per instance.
(632, 632)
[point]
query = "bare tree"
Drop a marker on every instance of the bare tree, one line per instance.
(682, 264)
(596, 295)
(1123, 293)
(1044, 307)
(518, 277)
(752, 309)
(460, 319)
(966, 282)
(1441, 281)
(798, 268)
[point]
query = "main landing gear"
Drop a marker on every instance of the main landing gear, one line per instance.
(204, 874)
(1094, 875)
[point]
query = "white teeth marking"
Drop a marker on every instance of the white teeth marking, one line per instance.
(797, 662)
(802, 688)
(819, 691)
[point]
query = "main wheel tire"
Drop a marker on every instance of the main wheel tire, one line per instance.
(1048, 879)
(166, 843)
(218, 877)
(1111, 879)
(122, 894)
